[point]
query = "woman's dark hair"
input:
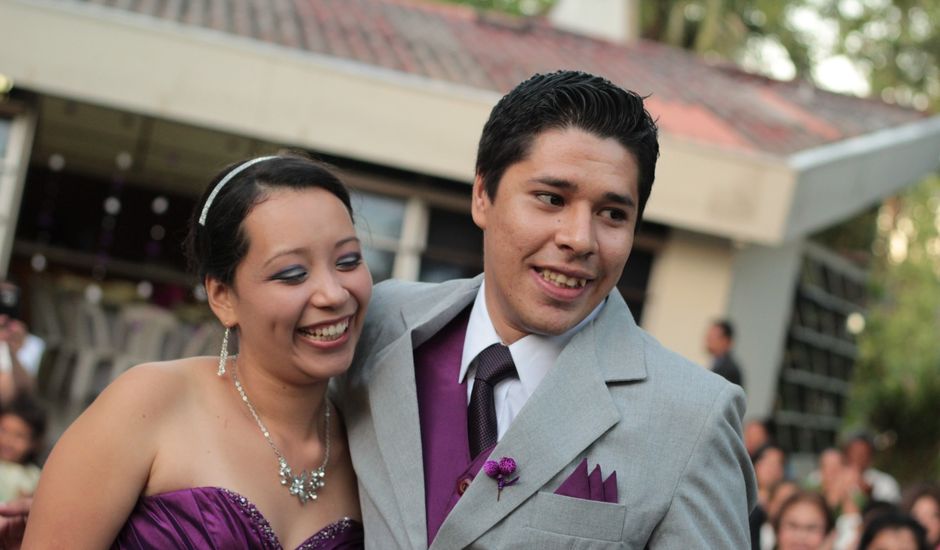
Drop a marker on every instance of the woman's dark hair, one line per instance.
(216, 248)
(560, 100)
(893, 520)
(809, 497)
(30, 411)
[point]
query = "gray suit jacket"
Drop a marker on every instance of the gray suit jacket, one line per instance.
(670, 429)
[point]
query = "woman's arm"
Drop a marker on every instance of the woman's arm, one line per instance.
(100, 466)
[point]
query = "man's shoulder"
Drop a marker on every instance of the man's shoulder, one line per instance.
(667, 363)
(391, 298)
(394, 292)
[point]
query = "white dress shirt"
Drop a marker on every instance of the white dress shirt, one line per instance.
(533, 356)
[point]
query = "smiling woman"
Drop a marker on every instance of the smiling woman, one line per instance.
(242, 451)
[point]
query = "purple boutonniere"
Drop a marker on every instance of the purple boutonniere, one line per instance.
(500, 471)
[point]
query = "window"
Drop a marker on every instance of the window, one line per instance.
(5, 124)
(379, 221)
(454, 247)
(820, 352)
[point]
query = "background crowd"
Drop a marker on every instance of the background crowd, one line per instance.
(22, 416)
(845, 503)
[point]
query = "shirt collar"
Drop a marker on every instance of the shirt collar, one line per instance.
(533, 354)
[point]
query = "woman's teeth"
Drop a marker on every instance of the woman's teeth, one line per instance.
(562, 280)
(327, 333)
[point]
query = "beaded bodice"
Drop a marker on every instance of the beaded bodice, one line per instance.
(213, 517)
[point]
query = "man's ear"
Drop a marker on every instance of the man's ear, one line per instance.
(222, 300)
(481, 203)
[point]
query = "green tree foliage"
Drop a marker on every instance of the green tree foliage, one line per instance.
(729, 29)
(896, 387)
(515, 7)
(896, 43)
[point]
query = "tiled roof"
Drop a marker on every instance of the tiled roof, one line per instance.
(691, 98)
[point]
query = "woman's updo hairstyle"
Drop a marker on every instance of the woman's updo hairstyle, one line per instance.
(217, 242)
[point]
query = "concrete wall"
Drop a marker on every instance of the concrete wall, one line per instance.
(614, 20)
(689, 287)
(759, 304)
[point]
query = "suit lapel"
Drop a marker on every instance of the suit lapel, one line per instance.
(569, 411)
(394, 405)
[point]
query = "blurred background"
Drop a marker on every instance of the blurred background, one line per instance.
(797, 195)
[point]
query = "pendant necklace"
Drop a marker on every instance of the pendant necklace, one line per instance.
(306, 485)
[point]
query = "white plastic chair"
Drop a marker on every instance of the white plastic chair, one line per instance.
(204, 339)
(88, 346)
(144, 333)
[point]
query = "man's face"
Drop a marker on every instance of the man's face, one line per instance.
(830, 467)
(755, 436)
(859, 454)
(558, 233)
(716, 343)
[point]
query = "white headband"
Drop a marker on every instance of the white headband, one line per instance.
(221, 184)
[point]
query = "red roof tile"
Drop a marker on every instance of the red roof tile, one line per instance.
(452, 43)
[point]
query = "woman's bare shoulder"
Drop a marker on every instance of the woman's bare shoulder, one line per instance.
(160, 386)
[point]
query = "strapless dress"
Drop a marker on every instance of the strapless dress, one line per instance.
(213, 517)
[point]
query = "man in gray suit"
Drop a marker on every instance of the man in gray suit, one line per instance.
(476, 408)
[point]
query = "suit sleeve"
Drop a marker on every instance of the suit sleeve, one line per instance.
(717, 489)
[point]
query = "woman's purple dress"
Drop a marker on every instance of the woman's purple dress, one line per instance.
(211, 517)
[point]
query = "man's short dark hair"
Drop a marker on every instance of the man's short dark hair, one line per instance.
(863, 436)
(726, 327)
(893, 520)
(567, 99)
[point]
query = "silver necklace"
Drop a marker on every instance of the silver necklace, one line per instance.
(306, 485)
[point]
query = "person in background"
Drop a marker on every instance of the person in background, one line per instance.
(20, 352)
(893, 530)
(841, 487)
(762, 527)
(757, 433)
(22, 428)
(922, 502)
(770, 464)
(830, 477)
(719, 341)
(859, 452)
(804, 523)
(769, 469)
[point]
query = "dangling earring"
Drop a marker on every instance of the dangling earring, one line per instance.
(223, 355)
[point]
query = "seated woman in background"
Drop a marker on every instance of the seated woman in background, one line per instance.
(22, 427)
(922, 502)
(804, 522)
(231, 452)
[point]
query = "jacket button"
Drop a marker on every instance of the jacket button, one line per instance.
(462, 485)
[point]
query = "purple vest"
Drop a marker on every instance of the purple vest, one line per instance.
(442, 407)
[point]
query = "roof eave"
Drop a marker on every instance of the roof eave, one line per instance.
(841, 179)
